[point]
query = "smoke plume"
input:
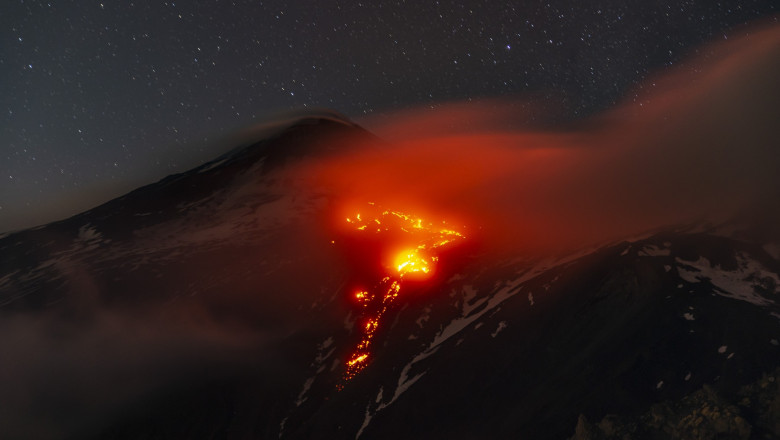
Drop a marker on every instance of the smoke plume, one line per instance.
(696, 143)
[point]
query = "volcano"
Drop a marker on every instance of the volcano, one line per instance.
(220, 303)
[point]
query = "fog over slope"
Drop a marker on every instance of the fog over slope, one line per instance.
(233, 270)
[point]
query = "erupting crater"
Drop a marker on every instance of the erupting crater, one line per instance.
(414, 245)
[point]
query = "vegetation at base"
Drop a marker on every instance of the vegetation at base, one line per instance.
(753, 413)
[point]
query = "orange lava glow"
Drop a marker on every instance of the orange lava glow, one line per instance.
(421, 239)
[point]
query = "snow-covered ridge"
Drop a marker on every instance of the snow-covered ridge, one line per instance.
(474, 306)
(745, 283)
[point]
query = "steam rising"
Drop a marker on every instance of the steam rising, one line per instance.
(698, 143)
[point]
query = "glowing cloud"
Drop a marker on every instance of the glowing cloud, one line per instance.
(696, 143)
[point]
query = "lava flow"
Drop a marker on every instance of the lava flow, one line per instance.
(419, 241)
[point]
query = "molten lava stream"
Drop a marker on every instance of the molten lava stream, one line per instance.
(415, 261)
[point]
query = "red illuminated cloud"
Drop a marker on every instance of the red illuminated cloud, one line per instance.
(696, 145)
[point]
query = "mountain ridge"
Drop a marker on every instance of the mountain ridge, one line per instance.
(215, 304)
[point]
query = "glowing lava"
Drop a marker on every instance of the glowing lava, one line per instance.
(420, 241)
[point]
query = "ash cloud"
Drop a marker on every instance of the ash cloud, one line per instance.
(696, 143)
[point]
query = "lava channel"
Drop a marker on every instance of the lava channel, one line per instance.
(418, 244)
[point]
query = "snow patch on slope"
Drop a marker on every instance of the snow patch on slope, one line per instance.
(741, 284)
(213, 165)
(404, 383)
(470, 312)
(501, 326)
(650, 250)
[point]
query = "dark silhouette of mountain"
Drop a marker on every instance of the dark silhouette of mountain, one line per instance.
(212, 304)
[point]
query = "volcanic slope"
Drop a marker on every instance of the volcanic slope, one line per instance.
(192, 286)
(213, 304)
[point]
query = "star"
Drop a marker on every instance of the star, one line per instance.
(108, 79)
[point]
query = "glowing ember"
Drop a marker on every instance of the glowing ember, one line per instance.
(416, 260)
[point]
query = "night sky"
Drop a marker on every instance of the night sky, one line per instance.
(99, 98)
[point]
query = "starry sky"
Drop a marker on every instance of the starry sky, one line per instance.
(101, 97)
